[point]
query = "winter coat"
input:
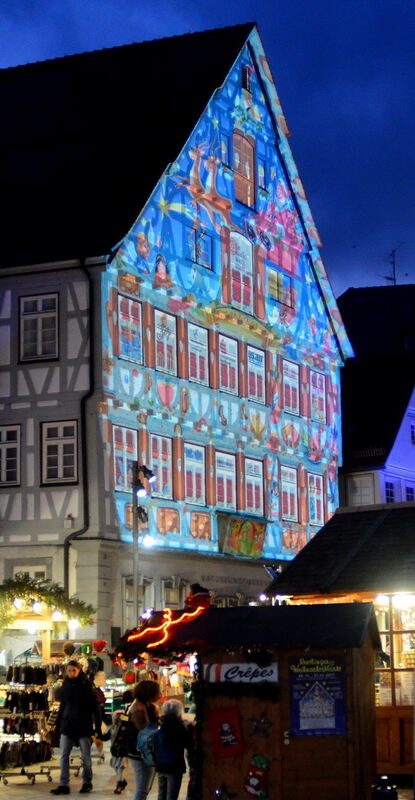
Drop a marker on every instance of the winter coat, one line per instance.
(79, 712)
(177, 738)
(140, 715)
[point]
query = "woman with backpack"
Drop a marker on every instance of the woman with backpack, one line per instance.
(141, 713)
(169, 744)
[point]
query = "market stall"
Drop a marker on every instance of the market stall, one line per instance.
(283, 695)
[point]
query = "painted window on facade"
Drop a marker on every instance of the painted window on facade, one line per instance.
(168, 520)
(244, 169)
(225, 149)
(254, 486)
(291, 386)
(318, 396)
(256, 374)
(59, 460)
(198, 353)
(246, 77)
(228, 364)
(9, 455)
(389, 492)
(280, 287)
(262, 174)
(360, 490)
(241, 272)
(166, 342)
(199, 246)
(200, 525)
(315, 499)
(125, 453)
(161, 464)
(130, 329)
(194, 470)
(225, 480)
(289, 501)
(39, 327)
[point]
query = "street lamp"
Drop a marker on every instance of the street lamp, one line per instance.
(142, 478)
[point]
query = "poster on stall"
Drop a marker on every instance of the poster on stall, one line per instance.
(318, 695)
(225, 731)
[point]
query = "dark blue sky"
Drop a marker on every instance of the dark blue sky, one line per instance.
(345, 72)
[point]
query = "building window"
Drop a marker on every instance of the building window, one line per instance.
(228, 364)
(166, 338)
(9, 455)
(262, 174)
(39, 327)
(389, 492)
(225, 149)
(256, 374)
(246, 77)
(280, 287)
(254, 486)
(36, 572)
(194, 469)
(145, 599)
(395, 615)
(360, 490)
(197, 344)
(225, 480)
(291, 386)
(243, 164)
(413, 432)
(59, 462)
(410, 494)
(289, 507)
(315, 499)
(125, 454)
(199, 246)
(130, 329)
(241, 272)
(161, 464)
(318, 396)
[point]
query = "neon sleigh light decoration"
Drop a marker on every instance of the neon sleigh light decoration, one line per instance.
(166, 625)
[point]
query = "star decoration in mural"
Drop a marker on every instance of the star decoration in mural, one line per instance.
(163, 206)
(215, 122)
(261, 724)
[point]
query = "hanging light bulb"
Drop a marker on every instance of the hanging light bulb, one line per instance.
(18, 602)
(37, 606)
(73, 623)
(57, 616)
(32, 629)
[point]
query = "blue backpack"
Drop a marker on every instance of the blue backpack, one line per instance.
(164, 753)
(145, 743)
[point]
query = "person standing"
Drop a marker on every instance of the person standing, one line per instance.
(78, 716)
(142, 712)
(170, 742)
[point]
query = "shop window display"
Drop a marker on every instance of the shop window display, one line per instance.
(395, 674)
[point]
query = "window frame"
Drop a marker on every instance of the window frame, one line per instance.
(231, 358)
(165, 369)
(38, 315)
(127, 470)
(6, 445)
(193, 498)
(256, 397)
(280, 287)
(320, 394)
(222, 472)
(285, 482)
(314, 494)
(389, 492)
(258, 510)
(244, 186)
(60, 442)
(193, 252)
(155, 465)
(290, 408)
(197, 351)
(240, 246)
(130, 300)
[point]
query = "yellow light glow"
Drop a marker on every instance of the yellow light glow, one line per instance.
(57, 616)
(403, 600)
(73, 623)
(382, 600)
(18, 602)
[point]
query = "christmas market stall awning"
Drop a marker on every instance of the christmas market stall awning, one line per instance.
(23, 599)
(251, 627)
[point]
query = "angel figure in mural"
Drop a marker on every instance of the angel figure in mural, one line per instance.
(143, 245)
(162, 278)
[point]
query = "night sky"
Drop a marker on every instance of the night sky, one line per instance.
(345, 73)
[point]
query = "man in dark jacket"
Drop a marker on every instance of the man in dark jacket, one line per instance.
(78, 715)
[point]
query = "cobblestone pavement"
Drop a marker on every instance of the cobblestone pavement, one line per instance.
(20, 787)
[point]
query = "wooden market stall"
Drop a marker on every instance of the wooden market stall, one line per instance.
(284, 696)
(369, 554)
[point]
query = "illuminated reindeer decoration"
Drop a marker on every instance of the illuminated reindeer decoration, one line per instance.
(206, 194)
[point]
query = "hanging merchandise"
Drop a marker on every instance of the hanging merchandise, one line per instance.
(256, 782)
(68, 648)
(86, 648)
(225, 732)
(261, 724)
(99, 645)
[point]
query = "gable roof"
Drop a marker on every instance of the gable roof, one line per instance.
(88, 136)
(323, 626)
(363, 550)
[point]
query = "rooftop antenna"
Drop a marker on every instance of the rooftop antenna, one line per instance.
(392, 261)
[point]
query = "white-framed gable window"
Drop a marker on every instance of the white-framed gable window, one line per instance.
(318, 396)
(315, 499)
(194, 470)
(125, 453)
(225, 480)
(198, 353)
(254, 486)
(9, 455)
(289, 501)
(256, 374)
(166, 342)
(360, 490)
(39, 327)
(59, 452)
(228, 364)
(291, 386)
(161, 464)
(130, 329)
(241, 264)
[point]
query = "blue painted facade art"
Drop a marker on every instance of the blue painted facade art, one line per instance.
(222, 340)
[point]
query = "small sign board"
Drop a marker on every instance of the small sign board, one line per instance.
(244, 672)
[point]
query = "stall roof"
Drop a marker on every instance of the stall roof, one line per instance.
(328, 626)
(363, 550)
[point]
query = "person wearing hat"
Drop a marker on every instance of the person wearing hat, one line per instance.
(78, 716)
